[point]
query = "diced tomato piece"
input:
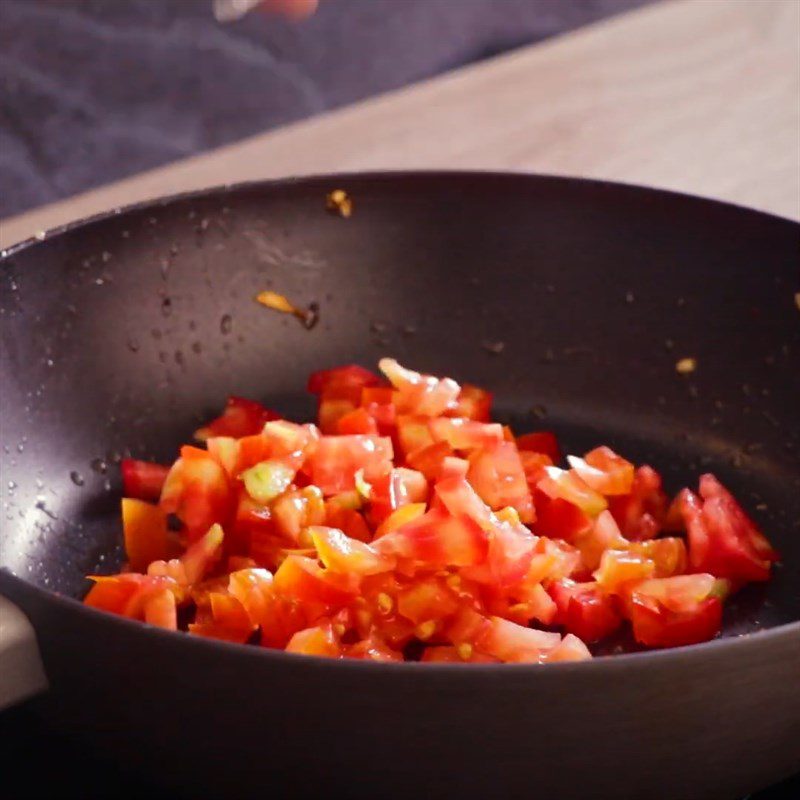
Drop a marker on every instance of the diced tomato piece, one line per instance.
(146, 535)
(198, 492)
(473, 403)
(414, 483)
(400, 517)
(603, 535)
(533, 465)
(303, 579)
(543, 442)
(552, 560)
(567, 485)
(228, 620)
(355, 422)
(413, 434)
(511, 642)
(722, 539)
(378, 402)
(336, 459)
(669, 612)
(240, 417)
(296, 510)
(640, 514)
(620, 567)
(142, 480)
(465, 434)
(417, 393)
(127, 594)
(571, 648)
(317, 641)
(339, 553)
(437, 539)
(160, 610)
(559, 519)
(585, 609)
(373, 648)
(668, 554)
(428, 599)
(388, 493)
(604, 471)
(350, 375)
(498, 477)
(203, 554)
(429, 460)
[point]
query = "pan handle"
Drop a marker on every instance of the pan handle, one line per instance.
(21, 670)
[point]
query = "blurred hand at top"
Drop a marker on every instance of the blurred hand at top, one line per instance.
(295, 9)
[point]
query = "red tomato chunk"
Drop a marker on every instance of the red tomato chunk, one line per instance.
(405, 523)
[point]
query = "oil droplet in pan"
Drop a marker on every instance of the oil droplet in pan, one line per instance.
(76, 478)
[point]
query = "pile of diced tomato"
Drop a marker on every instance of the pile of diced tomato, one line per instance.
(405, 525)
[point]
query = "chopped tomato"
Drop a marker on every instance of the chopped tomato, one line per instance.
(567, 485)
(414, 526)
(585, 609)
(429, 460)
(317, 641)
(604, 471)
(239, 418)
(669, 612)
(417, 393)
(142, 480)
(473, 403)
(351, 375)
(437, 539)
(465, 434)
(336, 459)
(640, 513)
(543, 442)
(722, 539)
(197, 491)
(339, 553)
(146, 535)
(498, 477)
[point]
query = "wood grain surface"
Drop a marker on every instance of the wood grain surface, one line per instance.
(701, 96)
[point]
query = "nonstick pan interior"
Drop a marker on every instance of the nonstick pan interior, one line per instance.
(572, 300)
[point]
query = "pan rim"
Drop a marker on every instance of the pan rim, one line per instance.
(721, 646)
(378, 176)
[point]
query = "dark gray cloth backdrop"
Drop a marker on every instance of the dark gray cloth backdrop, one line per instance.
(94, 90)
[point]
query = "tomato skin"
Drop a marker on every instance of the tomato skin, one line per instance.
(543, 442)
(660, 627)
(585, 610)
(516, 643)
(722, 539)
(142, 480)
(240, 417)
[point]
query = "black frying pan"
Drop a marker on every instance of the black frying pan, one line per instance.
(121, 333)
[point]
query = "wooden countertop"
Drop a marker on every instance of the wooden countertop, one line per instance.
(702, 96)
